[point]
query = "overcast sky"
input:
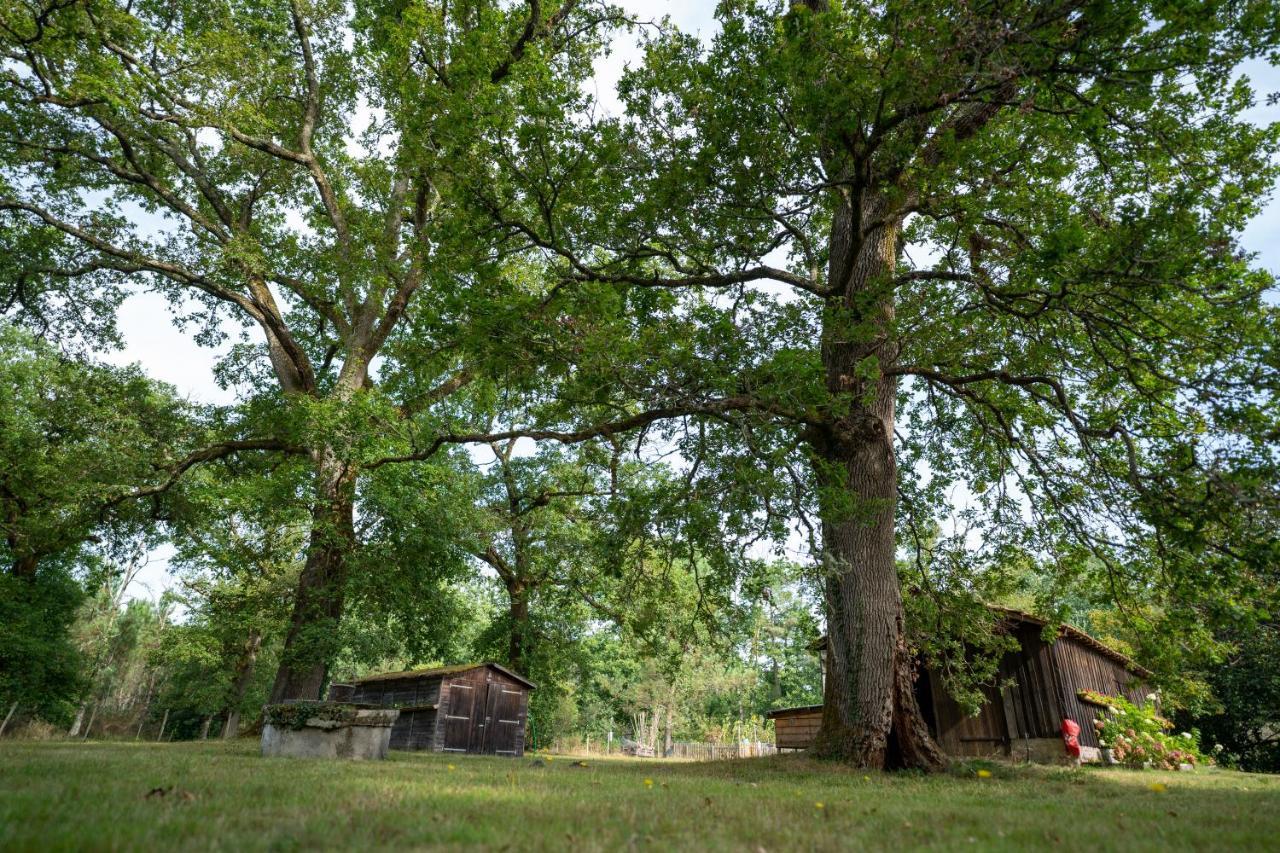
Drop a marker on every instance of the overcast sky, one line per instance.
(172, 356)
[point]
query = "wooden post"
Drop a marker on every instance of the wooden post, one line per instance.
(204, 729)
(163, 723)
(7, 718)
(666, 747)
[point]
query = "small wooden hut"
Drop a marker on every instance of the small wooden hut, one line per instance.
(794, 728)
(1023, 719)
(477, 707)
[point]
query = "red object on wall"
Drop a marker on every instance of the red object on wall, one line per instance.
(1071, 737)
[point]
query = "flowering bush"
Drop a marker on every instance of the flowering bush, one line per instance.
(1139, 737)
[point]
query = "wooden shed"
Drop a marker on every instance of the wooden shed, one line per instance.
(1041, 682)
(794, 728)
(477, 707)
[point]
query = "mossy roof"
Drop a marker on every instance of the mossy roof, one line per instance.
(442, 671)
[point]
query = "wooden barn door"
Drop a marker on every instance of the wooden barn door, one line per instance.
(502, 719)
(459, 721)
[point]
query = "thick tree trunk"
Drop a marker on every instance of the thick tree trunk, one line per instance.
(244, 674)
(25, 567)
(312, 639)
(870, 715)
(518, 649)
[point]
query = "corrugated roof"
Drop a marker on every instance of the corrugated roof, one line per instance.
(442, 670)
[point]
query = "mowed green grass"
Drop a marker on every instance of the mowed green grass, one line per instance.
(93, 796)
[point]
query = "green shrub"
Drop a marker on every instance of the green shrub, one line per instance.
(296, 714)
(1139, 737)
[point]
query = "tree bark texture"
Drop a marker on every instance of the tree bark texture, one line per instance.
(517, 650)
(312, 639)
(870, 715)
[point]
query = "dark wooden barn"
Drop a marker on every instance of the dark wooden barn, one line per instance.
(1023, 719)
(478, 707)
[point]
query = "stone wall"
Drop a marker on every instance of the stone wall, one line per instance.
(367, 737)
(1050, 750)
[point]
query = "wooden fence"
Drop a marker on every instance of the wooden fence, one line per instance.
(686, 750)
(718, 751)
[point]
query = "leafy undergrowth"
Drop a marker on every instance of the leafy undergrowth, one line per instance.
(103, 796)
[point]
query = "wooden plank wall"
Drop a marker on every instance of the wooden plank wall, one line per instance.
(400, 692)
(414, 730)
(959, 734)
(1033, 703)
(416, 726)
(1082, 667)
(796, 731)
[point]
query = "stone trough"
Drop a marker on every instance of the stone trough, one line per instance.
(327, 730)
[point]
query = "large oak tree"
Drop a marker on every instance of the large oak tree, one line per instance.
(999, 239)
(292, 169)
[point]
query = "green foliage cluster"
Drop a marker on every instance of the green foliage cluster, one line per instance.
(40, 668)
(1244, 724)
(296, 715)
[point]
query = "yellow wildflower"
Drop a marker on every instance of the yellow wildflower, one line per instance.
(1158, 787)
(648, 783)
(819, 805)
(451, 767)
(984, 774)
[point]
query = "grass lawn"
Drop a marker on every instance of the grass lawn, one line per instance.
(94, 796)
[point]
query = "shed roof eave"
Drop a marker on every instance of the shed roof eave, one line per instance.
(786, 712)
(442, 671)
